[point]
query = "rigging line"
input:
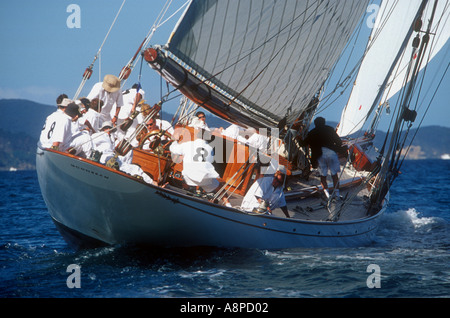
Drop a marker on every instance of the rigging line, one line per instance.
(173, 14)
(400, 123)
(433, 41)
(270, 60)
(426, 111)
(432, 47)
(255, 49)
(422, 52)
(110, 28)
(386, 95)
(331, 48)
(318, 44)
(157, 24)
(372, 39)
(132, 62)
(398, 56)
(356, 37)
(85, 75)
(269, 22)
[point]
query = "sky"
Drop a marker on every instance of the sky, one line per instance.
(46, 45)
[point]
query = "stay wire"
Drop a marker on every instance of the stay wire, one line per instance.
(85, 75)
(426, 111)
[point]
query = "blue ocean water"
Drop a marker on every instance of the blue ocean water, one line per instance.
(411, 254)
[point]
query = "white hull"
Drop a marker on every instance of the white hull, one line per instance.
(90, 202)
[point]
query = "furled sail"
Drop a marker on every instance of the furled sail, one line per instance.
(383, 70)
(271, 56)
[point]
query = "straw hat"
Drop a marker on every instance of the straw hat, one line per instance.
(111, 83)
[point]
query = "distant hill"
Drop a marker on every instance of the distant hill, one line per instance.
(21, 122)
(23, 116)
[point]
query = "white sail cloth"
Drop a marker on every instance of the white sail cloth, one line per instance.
(379, 68)
(272, 56)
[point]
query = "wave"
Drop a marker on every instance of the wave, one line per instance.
(411, 218)
(411, 229)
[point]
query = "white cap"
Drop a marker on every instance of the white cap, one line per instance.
(106, 124)
(65, 102)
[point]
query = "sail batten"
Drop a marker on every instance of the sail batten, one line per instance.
(272, 55)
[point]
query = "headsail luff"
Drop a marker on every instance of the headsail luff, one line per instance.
(271, 56)
(383, 71)
(440, 33)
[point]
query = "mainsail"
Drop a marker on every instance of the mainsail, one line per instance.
(271, 57)
(384, 68)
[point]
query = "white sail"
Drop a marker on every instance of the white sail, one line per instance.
(271, 55)
(440, 27)
(393, 24)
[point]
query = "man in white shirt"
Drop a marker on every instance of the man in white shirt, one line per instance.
(199, 121)
(108, 91)
(198, 170)
(258, 141)
(92, 118)
(266, 194)
(57, 131)
(131, 98)
(103, 142)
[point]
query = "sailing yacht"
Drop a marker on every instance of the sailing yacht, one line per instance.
(257, 65)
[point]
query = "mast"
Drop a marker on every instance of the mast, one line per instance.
(399, 54)
(388, 172)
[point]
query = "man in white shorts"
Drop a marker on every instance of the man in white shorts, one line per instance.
(325, 143)
(329, 161)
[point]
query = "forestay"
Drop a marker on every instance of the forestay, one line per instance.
(273, 56)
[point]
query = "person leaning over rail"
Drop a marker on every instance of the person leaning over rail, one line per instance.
(266, 194)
